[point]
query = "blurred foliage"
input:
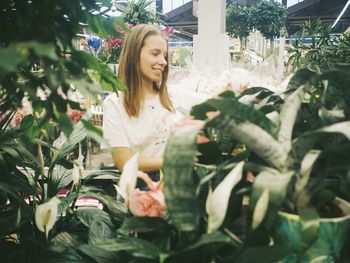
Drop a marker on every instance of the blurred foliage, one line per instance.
(269, 17)
(140, 12)
(325, 50)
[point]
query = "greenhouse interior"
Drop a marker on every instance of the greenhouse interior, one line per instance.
(207, 131)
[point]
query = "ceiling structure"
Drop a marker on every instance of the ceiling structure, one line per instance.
(186, 23)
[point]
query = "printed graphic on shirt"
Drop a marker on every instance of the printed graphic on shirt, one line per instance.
(162, 131)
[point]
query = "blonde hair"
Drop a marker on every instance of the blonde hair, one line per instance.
(129, 70)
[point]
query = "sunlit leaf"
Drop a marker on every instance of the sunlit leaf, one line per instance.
(260, 209)
(217, 201)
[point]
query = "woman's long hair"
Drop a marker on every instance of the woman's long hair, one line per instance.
(129, 70)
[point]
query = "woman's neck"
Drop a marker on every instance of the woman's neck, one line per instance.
(148, 90)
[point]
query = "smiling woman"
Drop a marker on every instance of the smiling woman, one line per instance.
(139, 119)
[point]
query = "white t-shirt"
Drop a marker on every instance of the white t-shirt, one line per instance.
(146, 134)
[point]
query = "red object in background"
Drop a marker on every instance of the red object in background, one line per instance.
(76, 115)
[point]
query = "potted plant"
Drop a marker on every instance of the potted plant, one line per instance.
(285, 160)
(33, 168)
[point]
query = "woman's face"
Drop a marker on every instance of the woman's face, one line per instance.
(153, 58)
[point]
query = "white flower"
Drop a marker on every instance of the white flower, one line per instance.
(46, 215)
(78, 168)
(128, 177)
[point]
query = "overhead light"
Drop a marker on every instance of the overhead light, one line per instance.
(341, 13)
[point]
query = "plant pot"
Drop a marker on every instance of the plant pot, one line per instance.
(331, 237)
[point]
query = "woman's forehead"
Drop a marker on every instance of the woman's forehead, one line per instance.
(155, 42)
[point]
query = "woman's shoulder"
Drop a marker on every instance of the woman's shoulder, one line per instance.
(113, 99)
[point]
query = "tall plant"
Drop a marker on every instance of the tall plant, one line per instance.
(43, 33)
(139, 12)
(269, 18)
(49, 41)
(326, 49)
(238, 22)
(286, 159)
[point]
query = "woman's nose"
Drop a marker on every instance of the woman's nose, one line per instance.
(163, 61)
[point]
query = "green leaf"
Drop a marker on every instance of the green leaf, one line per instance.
(93, 132)
(215, 237)
(66, 124)
(255, 138)
(288, 116)
(199, 111)
(306, 141)
(254, 90)
(265, 254)
(205, 247)
(143, 224)
(99, 224)
(180, 189)
(278, 187)
(10, 58)
(305, 171)
(218, 200)
(116, 210)
(301, 77)
(260, 209)
(243, 113)
(64, 239)
(111, 174)
(136, 247)
(40, 49)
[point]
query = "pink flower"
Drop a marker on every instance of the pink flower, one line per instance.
(148, 203)
(250, 177)
(212, 114)
(188, 121)
(243, 86)
(202, 139)
(168, 31)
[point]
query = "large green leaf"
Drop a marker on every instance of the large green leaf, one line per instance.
(265, 254)
(116, 210)
(10, 58)
(40, 49)
(306, 141)
(305, 171)
(136, 247)
(301, 77)
(180, 188)
(255, 138)
(218, 200)
(288, 116)
(237, 111)
(277, 186)
(111, 174)
(63, 239)
(143, 224)
(99, 223)
(207, 239)
(205, 247)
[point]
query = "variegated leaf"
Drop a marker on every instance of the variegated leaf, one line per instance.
(217, 201)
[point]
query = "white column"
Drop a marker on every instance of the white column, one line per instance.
(211, 45)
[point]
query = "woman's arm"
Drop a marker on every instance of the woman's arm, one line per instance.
(146, 164)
